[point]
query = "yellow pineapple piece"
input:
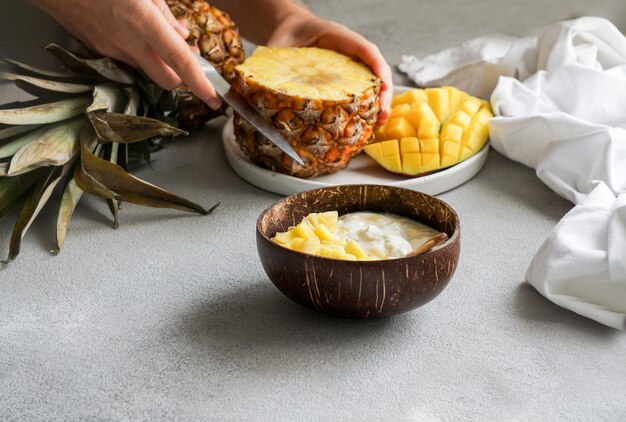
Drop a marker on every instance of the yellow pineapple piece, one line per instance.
(311, 246)
(296, 243)
(353, 248)
(329, 219)
(322, 232)
(303, 230)
(397, 128)
(332, 251)
(439, 101)
(409, 97)
(341, 241)
(284, 238)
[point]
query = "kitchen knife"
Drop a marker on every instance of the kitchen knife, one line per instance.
(245, 110)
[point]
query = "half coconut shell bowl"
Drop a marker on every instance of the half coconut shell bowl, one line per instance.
(359, 289)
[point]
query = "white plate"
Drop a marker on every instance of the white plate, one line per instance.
(361, 170)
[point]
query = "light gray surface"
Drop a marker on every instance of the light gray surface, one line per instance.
(172, 316)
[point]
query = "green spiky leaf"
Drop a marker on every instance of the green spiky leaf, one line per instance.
(56, 146)
(31, 208)
(104, 67)
(46, 84)
(128, 188)
(45, 113)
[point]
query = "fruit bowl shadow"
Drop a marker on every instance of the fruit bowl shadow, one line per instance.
(359, 289)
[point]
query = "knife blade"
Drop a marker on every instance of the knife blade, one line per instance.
(245, 110)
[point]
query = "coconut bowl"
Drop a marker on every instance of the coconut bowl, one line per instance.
(359, 289)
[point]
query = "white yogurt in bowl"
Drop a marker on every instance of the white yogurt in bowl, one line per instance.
(383, 236)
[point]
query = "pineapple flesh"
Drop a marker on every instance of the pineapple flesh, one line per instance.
(429, 130)
(324, 104)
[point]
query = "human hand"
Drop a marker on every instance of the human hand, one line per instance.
(141, 33)
(302, 29)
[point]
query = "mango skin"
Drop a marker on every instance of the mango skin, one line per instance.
(430, 130)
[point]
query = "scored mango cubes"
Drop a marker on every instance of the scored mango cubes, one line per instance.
(430, 129)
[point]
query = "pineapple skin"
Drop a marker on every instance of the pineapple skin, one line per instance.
(217, 37)
(325, 133)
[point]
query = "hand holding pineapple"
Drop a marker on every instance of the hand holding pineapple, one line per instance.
(146, 34)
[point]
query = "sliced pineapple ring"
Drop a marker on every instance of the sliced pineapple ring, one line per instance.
(312, 73)
(429, 130)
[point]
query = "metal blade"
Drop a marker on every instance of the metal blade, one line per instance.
(245, 110)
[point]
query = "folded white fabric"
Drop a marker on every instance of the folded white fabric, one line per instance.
(559, 100)
(581, 266)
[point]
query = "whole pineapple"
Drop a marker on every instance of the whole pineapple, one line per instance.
(217, 38)
(324, 103)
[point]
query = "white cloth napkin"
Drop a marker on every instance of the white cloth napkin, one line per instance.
(560, 103)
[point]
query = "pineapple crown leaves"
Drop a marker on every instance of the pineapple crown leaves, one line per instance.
(78, 133)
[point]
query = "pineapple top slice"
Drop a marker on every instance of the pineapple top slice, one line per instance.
(312, 72)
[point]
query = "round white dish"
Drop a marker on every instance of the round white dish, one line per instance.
(361, 170)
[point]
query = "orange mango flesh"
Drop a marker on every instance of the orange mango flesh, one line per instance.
(430, 129)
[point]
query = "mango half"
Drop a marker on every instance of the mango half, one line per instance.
(430, 129)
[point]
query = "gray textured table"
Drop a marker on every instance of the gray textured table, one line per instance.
(172, 316)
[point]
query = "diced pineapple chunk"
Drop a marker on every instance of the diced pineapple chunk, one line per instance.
(329, 219)
(284, 238)
(311, 246)
(303, 230)
(332, 251)
(322, 232)
(353, 248)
